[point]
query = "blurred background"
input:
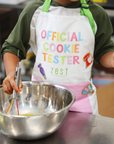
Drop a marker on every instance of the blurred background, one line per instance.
(9, 13)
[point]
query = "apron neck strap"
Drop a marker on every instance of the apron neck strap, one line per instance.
(46, 6)
(84, 11)
(83, 1)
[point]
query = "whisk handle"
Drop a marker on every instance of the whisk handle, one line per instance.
(17, 79)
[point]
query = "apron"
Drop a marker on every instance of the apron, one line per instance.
(64, 56)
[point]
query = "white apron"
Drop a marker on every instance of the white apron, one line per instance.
(64, 54)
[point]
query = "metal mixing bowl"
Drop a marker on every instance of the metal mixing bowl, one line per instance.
(47, 102)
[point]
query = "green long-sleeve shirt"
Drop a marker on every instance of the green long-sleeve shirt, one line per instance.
(20, 35)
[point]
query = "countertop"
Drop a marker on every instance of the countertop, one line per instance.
(77, 128)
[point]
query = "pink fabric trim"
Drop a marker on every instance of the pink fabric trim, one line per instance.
(36, 79)
(82, 103)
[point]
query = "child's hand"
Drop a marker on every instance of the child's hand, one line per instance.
(107, 60)
(112, 60)
(9, 84)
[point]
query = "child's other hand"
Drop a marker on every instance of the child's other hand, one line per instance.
(112, 60)
(9, 84)
(107, 60)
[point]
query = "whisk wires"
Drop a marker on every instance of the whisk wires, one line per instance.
(13, 107)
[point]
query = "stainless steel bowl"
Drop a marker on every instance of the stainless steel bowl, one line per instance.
(47, 102)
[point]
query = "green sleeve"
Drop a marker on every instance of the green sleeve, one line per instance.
(20, 35)
(103, 42)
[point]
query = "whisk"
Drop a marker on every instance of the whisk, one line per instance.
(13, 106)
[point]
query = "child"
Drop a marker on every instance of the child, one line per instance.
(65, 35)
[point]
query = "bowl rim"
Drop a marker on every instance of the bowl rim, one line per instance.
(46, 114)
